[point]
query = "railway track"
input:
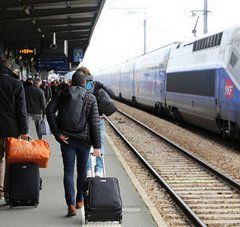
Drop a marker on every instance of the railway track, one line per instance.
(208, 197)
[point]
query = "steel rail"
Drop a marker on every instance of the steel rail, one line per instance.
(192, 216)
(186, 152)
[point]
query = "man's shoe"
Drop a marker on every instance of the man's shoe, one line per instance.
(71, 211)
(79, 204)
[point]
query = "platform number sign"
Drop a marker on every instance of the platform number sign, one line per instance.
(77, 55)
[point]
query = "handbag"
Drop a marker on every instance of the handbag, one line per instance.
(44, 127)
(105, 103)
(19, 150)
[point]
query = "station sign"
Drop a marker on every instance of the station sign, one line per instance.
(26, 51)
(77, 55)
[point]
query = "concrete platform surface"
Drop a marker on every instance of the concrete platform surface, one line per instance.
(52, 209)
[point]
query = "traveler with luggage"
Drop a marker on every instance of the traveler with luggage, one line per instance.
(36, 104)
(97, 88)
(76, 128)
(13, 116)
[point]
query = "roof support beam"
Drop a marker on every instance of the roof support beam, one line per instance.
(13, 3)
(26, 32)
(20, 15)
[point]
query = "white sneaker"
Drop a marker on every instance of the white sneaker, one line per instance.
(98, 174)
(89, 173)
(1, 197)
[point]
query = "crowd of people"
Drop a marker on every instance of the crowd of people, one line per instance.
(72, 113)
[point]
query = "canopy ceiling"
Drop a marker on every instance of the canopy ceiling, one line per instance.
(30, 23)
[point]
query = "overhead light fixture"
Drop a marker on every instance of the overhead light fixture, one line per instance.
(34, 21)
(43, 35)
(27, 9)
(39, 29)
(53, 45)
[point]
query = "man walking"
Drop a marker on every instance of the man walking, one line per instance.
(13, 115)
(36, 104)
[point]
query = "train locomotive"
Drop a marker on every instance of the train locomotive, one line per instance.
(197, 81)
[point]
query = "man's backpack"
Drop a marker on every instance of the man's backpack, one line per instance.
(105, 103)
(73, 116)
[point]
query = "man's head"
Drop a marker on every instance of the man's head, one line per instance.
(37, 82)
(5, 63)
(79, 79)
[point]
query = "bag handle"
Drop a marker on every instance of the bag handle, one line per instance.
(28, 139)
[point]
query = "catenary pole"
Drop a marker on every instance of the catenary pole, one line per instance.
(205, 17)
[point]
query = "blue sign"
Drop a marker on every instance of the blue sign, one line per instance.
(52, 63)
(77, 55)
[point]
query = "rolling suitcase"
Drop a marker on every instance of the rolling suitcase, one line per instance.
(102, 199)
(24, 184)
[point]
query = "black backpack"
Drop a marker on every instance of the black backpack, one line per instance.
(73, 115)
(105, 103)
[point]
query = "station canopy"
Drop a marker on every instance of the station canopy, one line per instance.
(31, 23)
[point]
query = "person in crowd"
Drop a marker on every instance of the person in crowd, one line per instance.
(54, 87)
(47, 91)
(28, 82)
(76, 128)
(36, 104)
(13, 116)
(93, 87)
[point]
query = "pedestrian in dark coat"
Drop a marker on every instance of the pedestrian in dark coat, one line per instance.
(36, 104)
(47, 91)
(13, 115)
(75, 140)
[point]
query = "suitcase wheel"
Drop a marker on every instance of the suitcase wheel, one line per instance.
(11, 206)
(86, 221)
(120, 221)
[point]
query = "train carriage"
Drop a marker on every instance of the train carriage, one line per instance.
(198, 81)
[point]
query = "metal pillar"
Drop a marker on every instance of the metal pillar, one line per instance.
(205, 14)
(145, 35)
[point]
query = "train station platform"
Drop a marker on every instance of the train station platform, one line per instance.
(52, 209)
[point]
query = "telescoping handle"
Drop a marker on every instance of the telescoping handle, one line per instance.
(102, 157)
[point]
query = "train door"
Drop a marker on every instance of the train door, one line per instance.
(204, 100)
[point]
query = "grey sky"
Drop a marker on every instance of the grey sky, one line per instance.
(118, 35)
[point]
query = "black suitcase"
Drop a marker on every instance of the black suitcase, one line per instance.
(24, 184)
(102, 199)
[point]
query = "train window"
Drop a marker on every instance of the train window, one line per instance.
(233, 59)
(192, 82)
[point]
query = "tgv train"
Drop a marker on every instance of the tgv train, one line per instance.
(198, 81)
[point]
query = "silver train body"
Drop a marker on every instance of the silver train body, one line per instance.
(198, 81)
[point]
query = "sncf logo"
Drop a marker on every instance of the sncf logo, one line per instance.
(229, 88)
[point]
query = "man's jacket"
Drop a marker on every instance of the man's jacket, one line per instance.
(36, 102)
(13, 112)
(91, 133)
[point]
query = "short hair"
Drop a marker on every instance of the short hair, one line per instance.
(37, 81)
(78, 78)
(84, 70)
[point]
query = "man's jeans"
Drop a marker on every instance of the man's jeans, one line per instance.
(37, 120)
(99, 161)
(70, 151)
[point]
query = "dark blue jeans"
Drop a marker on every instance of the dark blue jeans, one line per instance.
(74, 149)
